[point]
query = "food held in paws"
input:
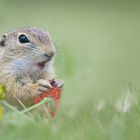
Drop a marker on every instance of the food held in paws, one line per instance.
(54, 93)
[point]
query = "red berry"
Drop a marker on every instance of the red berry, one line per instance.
(36, 100)
(54, 93)
(53, 83)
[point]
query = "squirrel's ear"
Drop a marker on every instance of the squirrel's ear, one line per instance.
(2, 40)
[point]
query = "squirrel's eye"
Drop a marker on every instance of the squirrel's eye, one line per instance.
(23, 39)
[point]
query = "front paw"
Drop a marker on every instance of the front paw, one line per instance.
(43, 86)
(57, 83)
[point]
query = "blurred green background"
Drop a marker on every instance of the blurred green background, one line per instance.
(97, 41)
(98, 44)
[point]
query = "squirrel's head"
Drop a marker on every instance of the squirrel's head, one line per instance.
(27, 51)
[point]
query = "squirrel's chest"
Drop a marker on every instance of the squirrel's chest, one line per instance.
(23, 80)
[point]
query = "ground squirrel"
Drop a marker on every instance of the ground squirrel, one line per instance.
(26, 64)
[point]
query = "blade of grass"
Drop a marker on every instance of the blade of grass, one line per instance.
(23, 106)
(10, 107)
(46, 100)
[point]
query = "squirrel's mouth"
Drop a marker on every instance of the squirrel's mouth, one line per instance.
(41, 65)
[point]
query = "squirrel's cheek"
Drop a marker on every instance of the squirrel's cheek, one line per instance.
(19, 65)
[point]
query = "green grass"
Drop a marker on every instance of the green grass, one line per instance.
(103, 119)
(98, 57)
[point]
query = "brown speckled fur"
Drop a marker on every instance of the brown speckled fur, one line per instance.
(12, 53)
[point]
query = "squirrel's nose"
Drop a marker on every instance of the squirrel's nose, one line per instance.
(50, 55)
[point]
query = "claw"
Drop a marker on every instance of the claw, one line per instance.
(59, 83)
(44, 83)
